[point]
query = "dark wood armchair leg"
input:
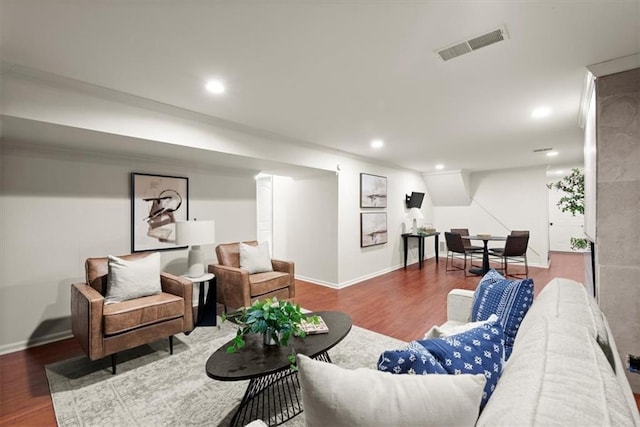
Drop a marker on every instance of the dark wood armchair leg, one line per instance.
(113, 364)
(170, 344)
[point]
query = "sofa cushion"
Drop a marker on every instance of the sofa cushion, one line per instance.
(569, 300)
(415, 359)
(508, 299)
(139, 312)
(334, 396)
(557, 375)
(477, 351)
(451, 328)
(128, 279)
(255, 259)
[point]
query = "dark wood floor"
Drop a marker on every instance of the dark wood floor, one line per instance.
(403, 304)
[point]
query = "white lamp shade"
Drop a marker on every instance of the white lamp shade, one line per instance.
(415, 213)
(195, 233)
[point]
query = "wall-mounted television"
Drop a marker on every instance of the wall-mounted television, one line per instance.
(414, 200)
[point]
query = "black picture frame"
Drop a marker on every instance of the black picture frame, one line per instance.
(373, 229)
(373, 191)
(157, 202)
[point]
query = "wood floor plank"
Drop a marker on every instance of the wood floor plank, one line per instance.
(403, 304)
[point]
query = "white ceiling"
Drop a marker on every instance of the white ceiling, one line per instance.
(340, 73)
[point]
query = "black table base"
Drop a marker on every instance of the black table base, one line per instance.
(420, 237)
(273, 398)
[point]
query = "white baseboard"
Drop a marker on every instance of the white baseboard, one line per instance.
(349, 282)
(22, 345)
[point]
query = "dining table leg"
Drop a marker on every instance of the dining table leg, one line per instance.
(485, 258)
(485, 261)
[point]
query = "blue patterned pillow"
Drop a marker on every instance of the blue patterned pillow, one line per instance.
(508, 299)
(415, 359)
(477, 351)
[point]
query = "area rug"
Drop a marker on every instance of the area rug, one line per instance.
(155, 388)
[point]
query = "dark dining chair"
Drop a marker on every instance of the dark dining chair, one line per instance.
(467, 243)
(456, 249)
(515, 250)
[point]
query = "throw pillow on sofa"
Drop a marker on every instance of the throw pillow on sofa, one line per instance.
(415, 359)
(334, 396)
(477, 351)
(445, 331)
(508, 299)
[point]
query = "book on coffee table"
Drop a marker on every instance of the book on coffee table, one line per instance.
(314, 328)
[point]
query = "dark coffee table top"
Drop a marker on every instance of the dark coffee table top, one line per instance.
(255, 359)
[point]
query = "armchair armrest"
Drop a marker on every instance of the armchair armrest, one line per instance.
(283, 266)
(459, 305)
(176, 285)
(233, 285)
(183, 288)
(86, 318)
(286, 267)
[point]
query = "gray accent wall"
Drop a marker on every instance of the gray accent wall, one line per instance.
(618, 209)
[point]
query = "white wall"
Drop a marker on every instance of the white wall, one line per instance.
(501, 201)
(306, 226)
(356, 263)
(59, 208)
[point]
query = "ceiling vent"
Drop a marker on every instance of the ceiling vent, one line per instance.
(472, 44)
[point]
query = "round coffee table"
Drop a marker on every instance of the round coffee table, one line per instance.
(273, 391)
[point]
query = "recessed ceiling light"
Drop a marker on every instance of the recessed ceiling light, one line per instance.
(541, 112)
(552, 153)
(215, 86)
(439, 166)
(377, 143)
(559, 172)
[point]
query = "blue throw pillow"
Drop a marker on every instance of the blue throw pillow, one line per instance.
(476, 351)
(415, 359)
(508, 299)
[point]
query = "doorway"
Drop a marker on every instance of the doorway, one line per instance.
(562, 225)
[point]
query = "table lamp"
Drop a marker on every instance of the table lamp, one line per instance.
(195, 233)
(414, 216)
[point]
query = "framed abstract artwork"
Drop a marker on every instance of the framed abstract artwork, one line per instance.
(373, 228)
(157, 202)
(373, 191)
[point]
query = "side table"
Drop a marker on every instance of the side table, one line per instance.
(207, 313)
(420, 237)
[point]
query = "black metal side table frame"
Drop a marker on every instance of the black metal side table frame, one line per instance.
(273, 398)
(207, 306)
(420, 237)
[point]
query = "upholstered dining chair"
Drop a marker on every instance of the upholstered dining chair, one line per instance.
(456, 249)
(239, 287)
(467, 243)
(515, 250)
(103, 327)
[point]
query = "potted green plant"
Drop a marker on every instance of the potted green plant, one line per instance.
(573, 201)
(276, 320)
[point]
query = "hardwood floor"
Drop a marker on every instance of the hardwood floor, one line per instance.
(403, 304)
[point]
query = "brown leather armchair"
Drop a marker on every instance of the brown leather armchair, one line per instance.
(237, 288)
(104, 330)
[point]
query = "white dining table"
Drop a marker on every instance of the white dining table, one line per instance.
(485, 253)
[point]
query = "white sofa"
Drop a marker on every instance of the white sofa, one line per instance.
(565, 368)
